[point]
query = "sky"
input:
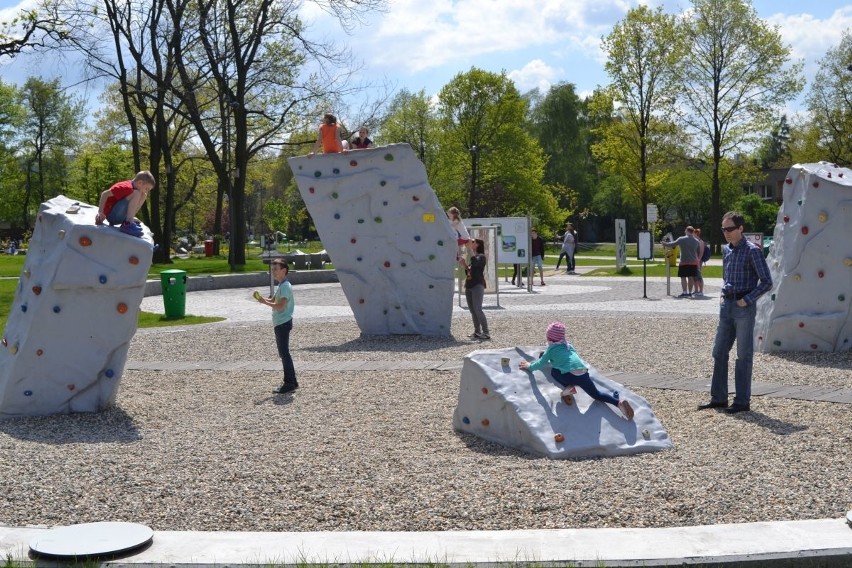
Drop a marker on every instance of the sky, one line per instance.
(423, 44)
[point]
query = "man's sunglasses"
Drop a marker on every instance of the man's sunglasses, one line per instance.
(729, 229)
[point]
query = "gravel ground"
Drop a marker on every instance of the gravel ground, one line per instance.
(376, 450)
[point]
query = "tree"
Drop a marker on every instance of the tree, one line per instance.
(760, 215)
(733, 83)
(488, 164)
(29, 29)
(410, 119)
(559, 121)
(642, 53)
(774, 150)
(49, 131)
(830, 103)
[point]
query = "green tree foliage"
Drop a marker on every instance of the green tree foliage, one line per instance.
(489, 165)
(276, 214)
(830, 105)
(49, 132)
(734, 82)
(642, 52)
(410, 119)
(774, 150)
(559, 122)
(760, 215)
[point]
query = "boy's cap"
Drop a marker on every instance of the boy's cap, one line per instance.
(556, 332)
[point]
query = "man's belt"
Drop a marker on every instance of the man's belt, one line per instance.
(736, 295)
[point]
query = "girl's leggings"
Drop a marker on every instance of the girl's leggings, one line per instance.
(585, 382)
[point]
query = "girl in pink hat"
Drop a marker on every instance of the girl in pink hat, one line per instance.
(570, 371)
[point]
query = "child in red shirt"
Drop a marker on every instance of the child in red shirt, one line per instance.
(120, 203)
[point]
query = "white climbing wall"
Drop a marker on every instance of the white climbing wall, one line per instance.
(524, 410)
(808, 308)
(74, 313)
(387, 235)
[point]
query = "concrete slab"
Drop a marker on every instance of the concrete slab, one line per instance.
(711, 544)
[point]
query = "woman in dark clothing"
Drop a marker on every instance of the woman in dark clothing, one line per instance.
(474, 287)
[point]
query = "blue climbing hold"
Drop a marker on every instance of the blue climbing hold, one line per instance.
(103, 279)
(109, 373)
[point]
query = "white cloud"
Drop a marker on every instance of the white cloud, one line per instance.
(535, 74)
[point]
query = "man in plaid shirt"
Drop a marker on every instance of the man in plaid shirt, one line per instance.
(745, 277)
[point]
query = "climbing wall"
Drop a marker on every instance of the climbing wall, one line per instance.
(74, 313)
(524, 410)
(808, 308)
(387, 235)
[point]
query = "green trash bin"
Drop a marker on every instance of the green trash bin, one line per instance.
(173, 283)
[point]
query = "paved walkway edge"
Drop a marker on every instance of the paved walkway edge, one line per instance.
(829, 540)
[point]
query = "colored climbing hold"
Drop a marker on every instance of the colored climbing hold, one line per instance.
(383, 183)
(102, 279)
(485, 422)
(61, 234)
(431, 286)
(772, 297)
(27, 272)
(484, 390)
(385, 203)
(360, 221)
(334, 195)
(841, 297)
(801, 324)
(440, 243)
(71, 387)
(13, 349)
(816, 184)
(422, 313)
(36, 290)
(336, 170)
(431, 257)
(122, 308)
(23, 308)
(813, 346)
(417, 238)
(847, 261)
(360, 259)
(28, 393)
(559, 438)
(39, 352)
(786, 218)
(805, 230)
(402, 264)
(466, 420)
(56, 309)
(133, 260)
(317, 174)
(377, 219)
(646, 434)
(797, 277)
(820, 273)
(776, 343)
(361, 301)
(389, 157)
(823, 217)
(337, 215)
(353, 163)
(353, 240)
(415, 198)
(85, 241)
(789, 181)
(109, 373)
(311, 190)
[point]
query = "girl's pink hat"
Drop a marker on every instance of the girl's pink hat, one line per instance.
(556, 332)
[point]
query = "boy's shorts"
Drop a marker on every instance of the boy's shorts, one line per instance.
(118, 213)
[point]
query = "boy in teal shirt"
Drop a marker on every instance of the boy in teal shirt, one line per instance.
(282, 318)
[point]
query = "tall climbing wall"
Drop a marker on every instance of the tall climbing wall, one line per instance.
(391, 243)
(74, 313)
(809, 307)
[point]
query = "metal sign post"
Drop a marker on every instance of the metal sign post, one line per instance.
(645, 252)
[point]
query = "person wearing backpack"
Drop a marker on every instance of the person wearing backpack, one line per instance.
(689, 260)
(704, 256)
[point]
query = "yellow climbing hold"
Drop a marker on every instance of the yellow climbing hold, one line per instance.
(428, 217)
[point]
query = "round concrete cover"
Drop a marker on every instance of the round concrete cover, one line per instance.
(91, 539)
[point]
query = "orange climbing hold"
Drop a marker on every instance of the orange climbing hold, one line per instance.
(85, 241)
(485, 422)
(133, 260)
(122, 308)
(559, 438)
(36, 290)
(484, 390)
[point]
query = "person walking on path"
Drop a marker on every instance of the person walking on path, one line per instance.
(745, 277)
(569, 370)
(282, 319)
(537, 252)
(568, 245)
(689, 258)
(474, 287)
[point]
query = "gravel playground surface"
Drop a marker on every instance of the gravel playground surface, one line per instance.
(362, 451)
